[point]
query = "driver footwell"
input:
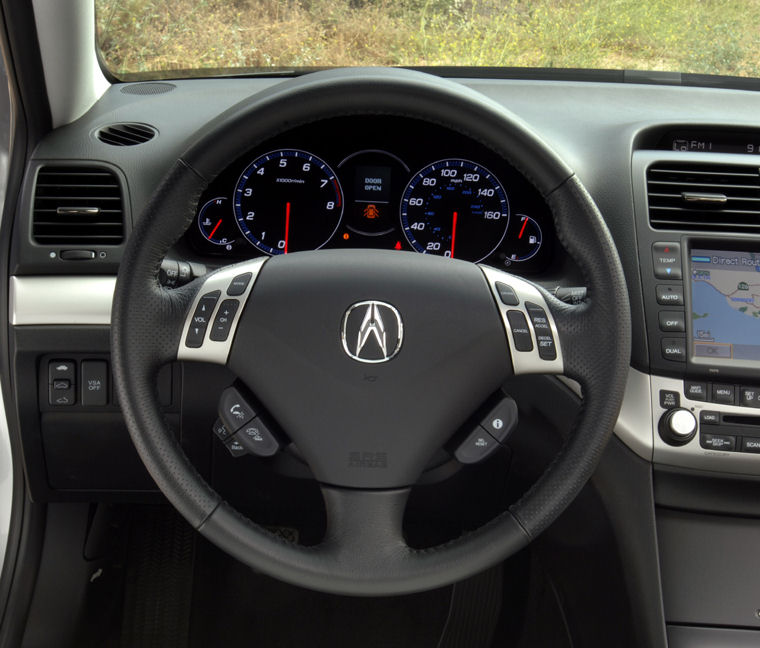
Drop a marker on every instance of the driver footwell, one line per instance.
(180, 590)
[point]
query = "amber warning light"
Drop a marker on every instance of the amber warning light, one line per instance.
(371, 212)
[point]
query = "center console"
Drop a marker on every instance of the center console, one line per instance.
(701, 280)
(698, 231)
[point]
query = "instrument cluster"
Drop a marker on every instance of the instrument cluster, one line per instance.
(375, 182)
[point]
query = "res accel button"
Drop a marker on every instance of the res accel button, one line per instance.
(547, 350)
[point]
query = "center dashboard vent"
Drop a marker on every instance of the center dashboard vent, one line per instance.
(706, 197)
(126, 134)
(77, 205)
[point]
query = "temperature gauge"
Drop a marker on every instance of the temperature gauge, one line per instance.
(524, 240)
(216, 222)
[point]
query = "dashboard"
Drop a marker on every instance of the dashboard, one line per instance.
(396, 183)
(366, 182)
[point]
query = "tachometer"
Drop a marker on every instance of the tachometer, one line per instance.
(288, 200)
(455, 208)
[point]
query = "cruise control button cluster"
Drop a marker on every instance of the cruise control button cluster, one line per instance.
(240, 428)
(547, 349)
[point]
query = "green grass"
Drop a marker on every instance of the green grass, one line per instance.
(702, 36)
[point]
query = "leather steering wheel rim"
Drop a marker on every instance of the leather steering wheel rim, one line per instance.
(147, 324)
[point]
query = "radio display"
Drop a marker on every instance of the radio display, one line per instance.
(725, 305)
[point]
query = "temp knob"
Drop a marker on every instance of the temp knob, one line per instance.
(678, 426)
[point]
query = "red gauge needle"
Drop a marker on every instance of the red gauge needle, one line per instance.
(453, 234)
(287, 226)
(522, 229)
(216, 227)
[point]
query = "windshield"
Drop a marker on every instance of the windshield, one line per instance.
(141, 39)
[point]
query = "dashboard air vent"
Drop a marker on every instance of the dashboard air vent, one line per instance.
(708, 197)
(126, 134)
(76, 205)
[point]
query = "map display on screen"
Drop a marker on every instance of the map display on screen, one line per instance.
(725, 304)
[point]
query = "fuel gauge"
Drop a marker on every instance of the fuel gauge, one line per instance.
(525, 239)
(217, 223)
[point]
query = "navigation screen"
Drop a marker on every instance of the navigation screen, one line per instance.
(725, 304)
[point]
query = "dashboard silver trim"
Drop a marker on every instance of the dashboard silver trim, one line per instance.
(525, 362)
(210, 350)
(633, 426)
(61, 300)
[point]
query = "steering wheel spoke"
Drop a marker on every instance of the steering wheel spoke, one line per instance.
(213, 316)
(364, 523)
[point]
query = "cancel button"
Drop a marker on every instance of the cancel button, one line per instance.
(751, 444)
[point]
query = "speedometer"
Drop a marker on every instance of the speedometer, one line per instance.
(455, 208)
(288, 200)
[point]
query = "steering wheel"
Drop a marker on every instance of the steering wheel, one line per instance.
(369, 360)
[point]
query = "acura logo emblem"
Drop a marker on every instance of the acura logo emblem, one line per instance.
(372, 331)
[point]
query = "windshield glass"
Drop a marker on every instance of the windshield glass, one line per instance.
(141, 39)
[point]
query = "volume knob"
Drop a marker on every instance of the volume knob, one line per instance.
(678, 426)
